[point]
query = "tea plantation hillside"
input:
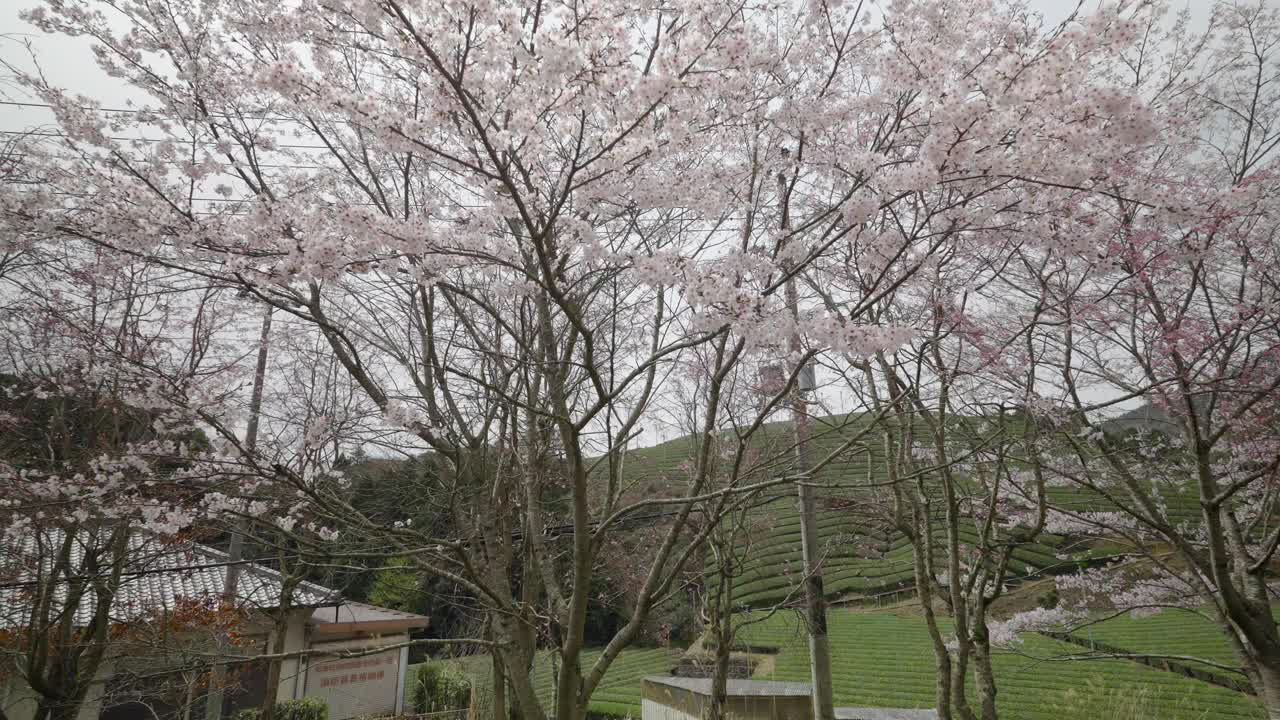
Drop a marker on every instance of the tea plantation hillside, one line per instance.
(849, 570)
(863, 558)
(883, 658)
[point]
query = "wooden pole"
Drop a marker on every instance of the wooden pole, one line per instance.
(815, 599)
(216, 696)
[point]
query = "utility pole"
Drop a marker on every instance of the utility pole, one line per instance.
(815, 600)
(215, 698)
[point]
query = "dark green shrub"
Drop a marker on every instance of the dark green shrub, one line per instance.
(437, 687)
(300, 709)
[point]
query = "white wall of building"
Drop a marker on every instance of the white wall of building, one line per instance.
(366, 685)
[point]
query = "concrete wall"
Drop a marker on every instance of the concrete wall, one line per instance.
(654, 710)
(662, 702)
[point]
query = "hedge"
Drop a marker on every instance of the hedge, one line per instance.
(300, 709)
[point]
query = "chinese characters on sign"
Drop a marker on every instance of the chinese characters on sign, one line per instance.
(351, 672)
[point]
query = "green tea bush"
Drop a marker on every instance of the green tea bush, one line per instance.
(437, 687)
(300, 709)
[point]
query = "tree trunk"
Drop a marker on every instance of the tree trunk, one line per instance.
(720, 681)
(189, 699)
(959, 681)
(567, 690)
(516, 658)
(941, 656)
(1269, 686)
(280, 644)
(499, 687)
(722, 633)
(982, 667)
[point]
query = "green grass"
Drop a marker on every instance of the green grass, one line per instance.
(618, 694)
(884, 660)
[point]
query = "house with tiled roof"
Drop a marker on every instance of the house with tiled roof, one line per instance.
(351, 655)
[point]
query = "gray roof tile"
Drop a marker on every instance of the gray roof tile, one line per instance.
(160, 575)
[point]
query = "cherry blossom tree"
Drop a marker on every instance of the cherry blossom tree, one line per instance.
(88, 465)
(508, 222)
(957, 427)
(958, 408)
(955, 487)
(115, 388)
(1178, 311)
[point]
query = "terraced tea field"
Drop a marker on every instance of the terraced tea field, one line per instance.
(884, 660)
(1171, 632)
(849, 569)
(862, 557)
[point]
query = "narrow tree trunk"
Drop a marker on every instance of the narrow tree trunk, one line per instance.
(719, 679)
(216, 696)
(722, 634)
(918, 531)
(942, 678)
(516, 659)
(499, 687)
(189, 700)
(941, 656)
(567, 695)
(982, 667)
(814, 593)
(959, 680)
